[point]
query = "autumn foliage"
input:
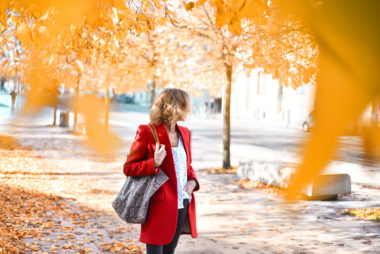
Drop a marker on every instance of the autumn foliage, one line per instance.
(129, 45)
(346, 36)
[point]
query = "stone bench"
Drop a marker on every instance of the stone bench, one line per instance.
(328, 186)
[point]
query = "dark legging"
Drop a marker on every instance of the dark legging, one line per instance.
(169, 248)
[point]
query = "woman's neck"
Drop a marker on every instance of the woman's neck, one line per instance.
(170, 127)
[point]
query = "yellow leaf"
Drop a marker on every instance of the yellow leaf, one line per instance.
(24, 35)
(189, 6)
(200, 2)
(162, 21)
(157, 3)
(43, 33)
(3, 13)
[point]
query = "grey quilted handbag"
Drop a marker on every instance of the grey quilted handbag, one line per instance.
(132, 202)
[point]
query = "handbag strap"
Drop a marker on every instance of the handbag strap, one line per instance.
(154, 132)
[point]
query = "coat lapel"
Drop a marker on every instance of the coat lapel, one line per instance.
(163, 135)
(185, 139)
(186, 144)
(164, 140)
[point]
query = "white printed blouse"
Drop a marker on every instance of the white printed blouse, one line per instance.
(180, 164)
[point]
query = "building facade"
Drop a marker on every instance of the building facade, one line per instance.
(254, 97)
(260, 98)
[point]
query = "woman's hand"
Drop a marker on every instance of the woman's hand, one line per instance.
(189, 187)
(159, 155)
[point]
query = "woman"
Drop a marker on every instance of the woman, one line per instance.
(172, 208)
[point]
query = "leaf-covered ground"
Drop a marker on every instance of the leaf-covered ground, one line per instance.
(56, 197)
(39, 207)
(37, 222)
(366, 213)
(249, 184)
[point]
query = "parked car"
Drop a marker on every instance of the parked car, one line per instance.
(309, 123)
(124, 98)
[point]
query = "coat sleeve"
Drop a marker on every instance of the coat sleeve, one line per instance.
(137, 163)
(192, 175)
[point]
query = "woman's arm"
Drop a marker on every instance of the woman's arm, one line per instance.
(137, 164)
(192, 175)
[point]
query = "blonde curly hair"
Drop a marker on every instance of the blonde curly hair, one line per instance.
(171, 105)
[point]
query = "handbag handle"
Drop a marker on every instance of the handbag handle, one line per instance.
(154, 132)
(155, 135)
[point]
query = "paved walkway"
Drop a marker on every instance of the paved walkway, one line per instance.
(230, 219)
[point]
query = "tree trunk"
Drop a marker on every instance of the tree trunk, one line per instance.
(107, 111)
(153, 93)
(227, 119)
(280, 97)
(76, 104)
(13, 96)
(2, 82)
(55, 110)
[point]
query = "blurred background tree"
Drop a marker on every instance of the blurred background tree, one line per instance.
(347, 37)
(126, 45)
(244, 35)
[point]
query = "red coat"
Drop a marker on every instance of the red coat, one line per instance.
(161, 222)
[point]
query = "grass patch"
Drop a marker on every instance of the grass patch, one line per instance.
(372, 214)
(249, 184)
(231, 170)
